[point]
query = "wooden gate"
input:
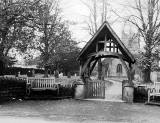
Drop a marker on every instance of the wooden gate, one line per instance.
(95, 90)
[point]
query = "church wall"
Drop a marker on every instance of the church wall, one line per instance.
(113, 68)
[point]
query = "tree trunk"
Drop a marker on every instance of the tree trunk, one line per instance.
(99, 69)
(56, 74)
(46, 72)
(2, 66)
(46, 58)
(146, 75)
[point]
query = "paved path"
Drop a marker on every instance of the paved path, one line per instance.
(114, 93)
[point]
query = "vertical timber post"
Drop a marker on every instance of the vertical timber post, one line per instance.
(130, 72)
(80, 69)
(99, 69)
(89, 74)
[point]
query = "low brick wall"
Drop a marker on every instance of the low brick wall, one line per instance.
(12, 88)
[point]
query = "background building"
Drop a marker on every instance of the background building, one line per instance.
(113, 67)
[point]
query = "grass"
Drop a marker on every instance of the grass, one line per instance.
(62, 79)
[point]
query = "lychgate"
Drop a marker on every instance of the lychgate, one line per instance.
(104, 44)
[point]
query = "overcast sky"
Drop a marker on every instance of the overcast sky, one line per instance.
(75, 10)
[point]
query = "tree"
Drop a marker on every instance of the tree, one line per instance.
(68, 61)
(15, 16)
(51, 31)
(98, 14)
(144, 15)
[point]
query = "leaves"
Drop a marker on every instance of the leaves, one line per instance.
(15, 25)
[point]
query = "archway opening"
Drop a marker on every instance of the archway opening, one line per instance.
(114, 73)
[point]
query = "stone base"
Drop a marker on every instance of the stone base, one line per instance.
(80, 92)
(127, 91)
(128, 94)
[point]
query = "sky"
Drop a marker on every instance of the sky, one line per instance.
(75, 10)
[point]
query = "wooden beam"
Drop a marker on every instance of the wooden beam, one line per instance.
(107, 53)
(105, 42)
(89, 74)
(92, 67)
(85, 64)
(80, 68)
(97, 47)
(130, 70)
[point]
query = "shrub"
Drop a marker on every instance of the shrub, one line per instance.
(14, 70)
(67, 90)
(12, 88)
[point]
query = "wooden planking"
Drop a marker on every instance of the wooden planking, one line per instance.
(96, 90)
(39, 82)
(154, 90)
(86, 64)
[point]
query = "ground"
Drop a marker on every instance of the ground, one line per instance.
(109, 110)
(70, 110)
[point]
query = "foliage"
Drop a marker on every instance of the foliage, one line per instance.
(15, 17)
(32, 24)
(15, 27)
(144, 15)
(144, 62)
(69, 62)
(51, 32)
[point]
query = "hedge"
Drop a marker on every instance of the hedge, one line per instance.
(12, 88)
(14, 70)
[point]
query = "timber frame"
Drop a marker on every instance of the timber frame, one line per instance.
(104, 44)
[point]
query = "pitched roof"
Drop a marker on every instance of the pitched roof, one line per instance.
(106, 28)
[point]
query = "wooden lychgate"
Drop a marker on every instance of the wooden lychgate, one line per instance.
(104, 44)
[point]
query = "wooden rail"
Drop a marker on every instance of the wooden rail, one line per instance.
(42, 82)
(154, 90)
